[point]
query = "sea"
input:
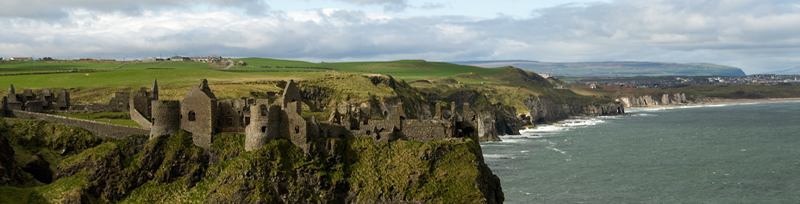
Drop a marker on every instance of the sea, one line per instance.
(726, 153)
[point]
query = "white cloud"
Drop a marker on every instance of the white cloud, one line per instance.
(756, 35)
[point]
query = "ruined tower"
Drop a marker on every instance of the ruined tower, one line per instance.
(291, 94)
(166, 118)
(62, 101)
(12, 95)
(264, 126)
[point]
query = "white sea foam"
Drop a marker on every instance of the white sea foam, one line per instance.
(526, 136)
(499, 156)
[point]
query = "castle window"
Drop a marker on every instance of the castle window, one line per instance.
(263, 110)
(296, 129)
(191, 116)
(263, 129)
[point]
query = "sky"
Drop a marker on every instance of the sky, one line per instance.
(759, 36)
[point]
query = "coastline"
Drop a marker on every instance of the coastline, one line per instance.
(726, 101)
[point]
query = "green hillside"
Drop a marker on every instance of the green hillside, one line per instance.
(619, 69)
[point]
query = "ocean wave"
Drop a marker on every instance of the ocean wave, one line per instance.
(498, 156)
(503, 137)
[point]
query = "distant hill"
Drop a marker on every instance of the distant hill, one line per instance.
(790, 71)
(585, 69)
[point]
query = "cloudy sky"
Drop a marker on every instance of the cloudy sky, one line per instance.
(755, 35)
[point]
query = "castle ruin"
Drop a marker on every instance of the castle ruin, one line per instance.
(261, 120)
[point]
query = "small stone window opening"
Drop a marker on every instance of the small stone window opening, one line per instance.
(263, 110)
(191, 116)
(296, 129)
(368, 132)
(263, 129)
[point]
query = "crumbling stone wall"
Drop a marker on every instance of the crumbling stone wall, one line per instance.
(166, 118)
(99, 129)
(120, 102)
(3, 106)
(139, 119)
(231, 113)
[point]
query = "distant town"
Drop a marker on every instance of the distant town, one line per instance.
(176, 58)
(667, 81)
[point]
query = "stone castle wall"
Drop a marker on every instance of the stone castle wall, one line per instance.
(166, 118)
(139, 119)
(99, 129)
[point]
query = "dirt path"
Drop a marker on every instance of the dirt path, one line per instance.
(230, 64)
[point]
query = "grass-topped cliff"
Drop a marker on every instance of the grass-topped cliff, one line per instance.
(340, 82)
(170, 169)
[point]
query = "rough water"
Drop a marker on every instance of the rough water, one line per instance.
(733, 153)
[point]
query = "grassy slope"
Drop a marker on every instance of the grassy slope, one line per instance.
(408, 70)
(624, 68)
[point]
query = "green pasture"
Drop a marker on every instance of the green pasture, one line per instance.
(186, 73)
(165, 65)
(41, 66)
(408, 70)
(140, 78)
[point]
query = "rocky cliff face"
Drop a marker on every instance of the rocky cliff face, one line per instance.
(545, 110)
(664, 99)
(171, 169)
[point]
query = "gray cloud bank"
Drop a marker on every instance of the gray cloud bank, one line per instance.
(757, 36)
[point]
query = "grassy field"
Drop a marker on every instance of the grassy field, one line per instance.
(34, 67)
(176, 78)
(408, 70)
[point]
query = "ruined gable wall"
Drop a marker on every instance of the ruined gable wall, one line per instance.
(295, 125)
(140, 102)
(99, 129)
(198, 111)
(120, 102)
